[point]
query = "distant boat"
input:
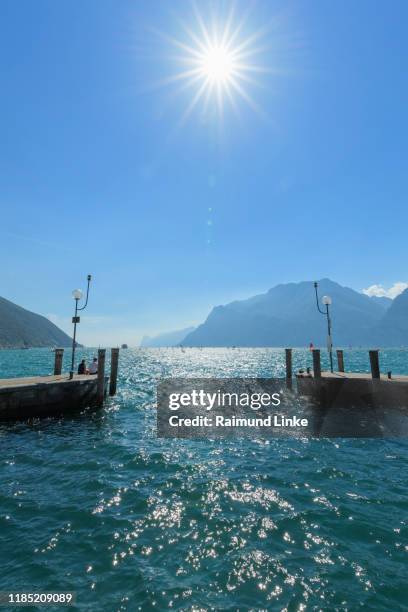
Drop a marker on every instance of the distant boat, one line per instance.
(124, 346)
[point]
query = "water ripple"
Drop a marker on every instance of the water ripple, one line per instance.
(97, 504)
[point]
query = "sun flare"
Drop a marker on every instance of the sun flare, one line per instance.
(218, 63)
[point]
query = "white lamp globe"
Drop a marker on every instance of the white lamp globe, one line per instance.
(77, 294)
(326, 299)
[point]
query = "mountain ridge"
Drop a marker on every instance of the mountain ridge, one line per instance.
(21, 328)
(287, 315)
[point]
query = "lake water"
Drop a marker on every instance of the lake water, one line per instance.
(96, 504)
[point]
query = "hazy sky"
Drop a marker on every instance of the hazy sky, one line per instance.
(103, 170)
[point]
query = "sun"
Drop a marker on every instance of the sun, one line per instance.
(218, 63)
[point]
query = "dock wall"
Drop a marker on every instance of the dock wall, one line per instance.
(48, 398)
(358, 392)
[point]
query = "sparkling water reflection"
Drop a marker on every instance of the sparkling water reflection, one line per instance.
(95, 503)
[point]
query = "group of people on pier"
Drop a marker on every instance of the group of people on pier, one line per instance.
(93, 368)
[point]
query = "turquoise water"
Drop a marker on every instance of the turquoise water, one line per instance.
(96, 504)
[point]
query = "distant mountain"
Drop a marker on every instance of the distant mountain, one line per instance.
(167, 339)
(287, 316)
(393, 327)
(22, 328)
(383, 301)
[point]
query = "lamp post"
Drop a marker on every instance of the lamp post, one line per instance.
(77, 295)
(326, 299)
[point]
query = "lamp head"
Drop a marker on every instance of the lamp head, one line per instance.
(77, 294)
(89, 278)
(326, 299)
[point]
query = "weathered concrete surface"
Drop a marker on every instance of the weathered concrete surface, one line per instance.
(22, 398)
(355, 389)
(30, 380)
(355, 405)
(353, 375)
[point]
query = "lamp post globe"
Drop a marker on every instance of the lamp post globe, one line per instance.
(77, 294)
(326, 299)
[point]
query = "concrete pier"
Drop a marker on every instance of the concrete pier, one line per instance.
(35, 396)
(354, 389)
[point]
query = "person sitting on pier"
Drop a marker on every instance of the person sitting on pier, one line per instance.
(93, 368)
(82, 367)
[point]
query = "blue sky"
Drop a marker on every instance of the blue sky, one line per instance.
(99, 173)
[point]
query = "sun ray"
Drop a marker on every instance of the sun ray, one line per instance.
(226, 34)
(231, 99)
(238, 28)
(250, 52)
(181, 76)
(201, 44)
(247, 68)
(247, 78)
(248, 99)
(203, 28)
(178, 43)
(193, 103)
(250, 40)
